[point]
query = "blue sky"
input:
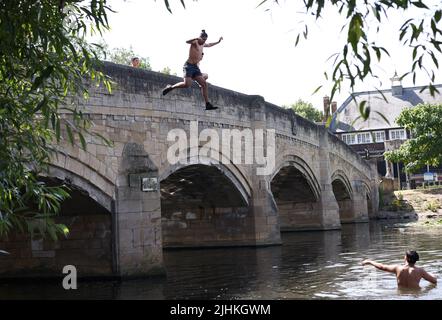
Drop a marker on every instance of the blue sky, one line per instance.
(258, 54)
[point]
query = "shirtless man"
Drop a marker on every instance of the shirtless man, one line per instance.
(135, 62)
(408, 275)
(191, 69)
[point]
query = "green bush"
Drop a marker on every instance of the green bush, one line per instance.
(432, 205)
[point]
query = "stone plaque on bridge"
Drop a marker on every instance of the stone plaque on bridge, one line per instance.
(143, 181)
(149, 184)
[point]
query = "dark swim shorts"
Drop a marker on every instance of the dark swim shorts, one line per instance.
(191, 70)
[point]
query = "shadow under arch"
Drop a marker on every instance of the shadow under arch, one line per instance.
(340, 176)
(369, 198)
(72, 178)
(343, 193)
(205, 203)
(302, 166)
(296, 192)
(88, 245)
(231, 171)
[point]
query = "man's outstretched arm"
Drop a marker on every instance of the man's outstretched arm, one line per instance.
(429, 277)
(207, 45)
(380, 266)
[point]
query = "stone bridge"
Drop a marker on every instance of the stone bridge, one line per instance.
(129, 202)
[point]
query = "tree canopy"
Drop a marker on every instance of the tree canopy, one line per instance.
(306, 110)
(44, 59)
(354, 62)
(424, 122)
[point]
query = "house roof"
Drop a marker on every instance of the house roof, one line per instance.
(390, 108)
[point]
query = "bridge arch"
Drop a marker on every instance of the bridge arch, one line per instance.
(296, 192)
(95, 191)
(339, 179)
(232, 172)
(343, 191)
(300, 165)
(204, 203)
(88, 245)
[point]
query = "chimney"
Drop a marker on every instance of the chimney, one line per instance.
(334, 107)
(396, 85)
(326, 107)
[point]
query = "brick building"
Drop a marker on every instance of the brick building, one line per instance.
(371, 138)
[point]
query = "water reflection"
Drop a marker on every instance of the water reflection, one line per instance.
(309, 265)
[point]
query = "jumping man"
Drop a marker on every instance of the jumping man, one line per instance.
(191, 69)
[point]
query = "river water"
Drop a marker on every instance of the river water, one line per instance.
(309, 265)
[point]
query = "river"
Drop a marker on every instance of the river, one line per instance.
(309, 265)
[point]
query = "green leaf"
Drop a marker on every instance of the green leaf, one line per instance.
(362, 106)
(419, 4)
(261, 3)
(41, 104)
(366, 113)
(70, 135)
(328, 122)
(317, 89)
(166, 2)
(82, 140)
(57, 130)
(437, 15)
(355, 31)
(433, 57)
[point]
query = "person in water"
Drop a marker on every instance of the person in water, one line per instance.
(191, 69)
(407, 275)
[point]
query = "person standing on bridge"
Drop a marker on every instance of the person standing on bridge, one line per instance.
(191, 69)
(408, 275)
(135, 62)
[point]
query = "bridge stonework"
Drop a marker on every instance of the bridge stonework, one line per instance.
(318, 182)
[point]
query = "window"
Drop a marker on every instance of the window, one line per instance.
(364, 137)
(398, 134)
(349, 138)
(380, 136)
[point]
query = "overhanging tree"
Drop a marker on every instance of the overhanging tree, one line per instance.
(354, 62)
(424, 122)
(44, 59)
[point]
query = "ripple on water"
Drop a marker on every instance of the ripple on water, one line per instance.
(309, 265)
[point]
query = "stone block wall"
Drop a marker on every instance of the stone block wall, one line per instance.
(203, 227)
(87, 247)
(300, 216)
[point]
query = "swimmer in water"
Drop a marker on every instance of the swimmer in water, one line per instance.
(407, 275)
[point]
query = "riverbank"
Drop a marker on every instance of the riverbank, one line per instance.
(424, 205)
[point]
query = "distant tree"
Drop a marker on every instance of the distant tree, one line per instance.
(122, 56)
(424, 121)
(306, 110)
(167, 70)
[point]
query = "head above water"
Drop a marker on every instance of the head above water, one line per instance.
(411, 256)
